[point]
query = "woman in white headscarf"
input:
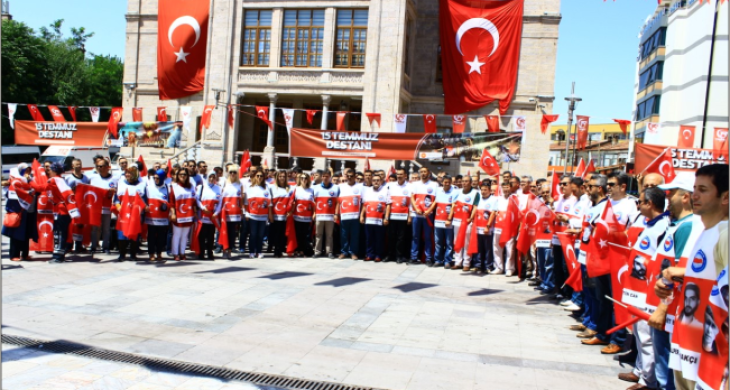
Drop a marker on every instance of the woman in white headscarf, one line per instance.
(20, 214)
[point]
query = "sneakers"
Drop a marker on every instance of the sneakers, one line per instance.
(510, 274)
(497, 272)
(572, 307)
(331, 256)
(566, 302)
(261, 256)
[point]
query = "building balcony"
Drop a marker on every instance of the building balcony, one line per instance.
(301, 79)
(655, 86)
(657, 54)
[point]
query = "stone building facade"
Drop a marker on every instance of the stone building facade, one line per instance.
(359, 56)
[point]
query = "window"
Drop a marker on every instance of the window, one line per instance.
(407, 59)
(652, 43)
(352, 31)
(256, 38)
(654, 73)
(301, 42)
(439, 71)
(648, 108)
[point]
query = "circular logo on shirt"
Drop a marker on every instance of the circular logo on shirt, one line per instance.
(332, 193)
(238, 193)
(468, 199)
(266, 194)
(668, 243)
(699, 262)
(486, 215)
(405, 192)
(577, 210)
(566, 208)
(356, 191)
(381, 197)
(429, 190)
(112, 185)
(163, 197)
(644, 243)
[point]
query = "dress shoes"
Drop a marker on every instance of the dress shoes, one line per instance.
(578, 328)
(593, 341)
(628, 377)
(586, 334)
(610, 349)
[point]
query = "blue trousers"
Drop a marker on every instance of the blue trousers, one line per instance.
(662, 348)
(375, 241)
(444, 245)
(243, 234)
(545, 267)
(485, 260)
(422, 227)
(256, 241)
(589, 301)
(350, 236)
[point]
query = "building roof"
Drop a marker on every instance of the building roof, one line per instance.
(604, 145)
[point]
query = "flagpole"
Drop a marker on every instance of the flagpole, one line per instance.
(572, 99)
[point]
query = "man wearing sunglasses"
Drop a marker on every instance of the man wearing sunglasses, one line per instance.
(105, 180)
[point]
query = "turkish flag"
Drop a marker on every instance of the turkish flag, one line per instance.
(262, 112)
(589, 169)
(556, 187)
(580, 170)
(205, 118)
(136, 114)
(508, 221)
(539, 216)
(143, 169)
(91, 198)
(130, 216)
(45, 234)
(623, 124)
(618, 256)
(546, 120)
(574, 280)
(245, 164)
(114, 119)
(39, 174)
(72, 111)
(492, 123)
(371, 117)
(37, 116)
(719, 144)
(686, 137)
(182, 37)
(162, 114)
(56, 113)
(459, 122)
(311, 113)
(341, 120)
(429, 123)
(488, 163)
(480, 53)
(230, 115)
(582, 124)
(663, 166)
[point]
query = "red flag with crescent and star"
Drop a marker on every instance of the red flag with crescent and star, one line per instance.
(35, 113)
(582, 123)
(719, 144)
(488, 163)
(686, 137)
(262, 112)
(162, 114)
(459, 123)
(114, 119)
(429, 123)
(574, 279)
(546, 120)
(182, 37)
(556, 192)
(480, 50)
(205, 119)
(663, 166)
(91, 200)
(56, 113)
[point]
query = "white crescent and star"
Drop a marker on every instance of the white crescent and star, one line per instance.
(537, 216)
(661, 168)
(685, 135)
(92, 194)
(430, 118)
(44, 222)
(621, 271)
(183, 20)
(182, 208)
(484, 24)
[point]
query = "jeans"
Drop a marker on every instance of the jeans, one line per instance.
(541, 255)
(589, 301)
(256, 241)
(662, 348)
(398, 239)
(560, 271)
(485, 260)
(243, 234)
(350, 236)
(375, 238)
(422, 227)
(105, 230)
(60, 235)
(545, 256)
(156, 238)
(444, 245)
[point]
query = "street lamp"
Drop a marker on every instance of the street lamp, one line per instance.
(572, 99)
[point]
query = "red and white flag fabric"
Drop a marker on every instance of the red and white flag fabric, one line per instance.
(169, 168)
(12, 107)
(35, 113)
(652, 134)
(663, 165)
(39, 174)
(580, 170)
(429, 123)
(492, 123)
(618, 256)
(291, 236)
(56, 113)
(520, 123)
(574, 279)
(582, 123)
(480, 49)
(623, 124)
(459, 123)
(312, 113)
(508, 221)
(60, 190)
(143, 169)
(72, 111)
(719, 144)
(230, 117)
(556, 192)
(288, 118)
(373, 117)
(714, 357)
(129, 221)
(91, 200)
(400, 121)
(207, 115)
(136, 114)
(245, 164)
(94, 111)
(591, 168)
(341, 120)
(20, 190)
(391, 171)
(114, 119)
(262, 112)
(686, 137)
(546, 121)
(182, 40)
(162, 114)
(488, 164)
(367, 164)
(538, 218)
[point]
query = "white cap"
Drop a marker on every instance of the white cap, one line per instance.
(22, 167)
(683, 180)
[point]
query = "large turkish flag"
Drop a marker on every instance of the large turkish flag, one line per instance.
(480, 49)
(182, 37)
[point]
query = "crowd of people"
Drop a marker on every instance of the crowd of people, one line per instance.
(675, 236)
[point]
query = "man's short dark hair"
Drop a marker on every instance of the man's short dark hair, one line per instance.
(337, 174)
(514, 178)
(539, 181)
(576, 180)
(486, 182)
(368, 171)
(401, 169)
(447, 176)
(656, 196)
(200, 162)
(98, 157)
(718, 173)
(621, 178)
(393, 176)
(458, 177)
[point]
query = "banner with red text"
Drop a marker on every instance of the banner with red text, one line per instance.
(683, 159)
(59, 133)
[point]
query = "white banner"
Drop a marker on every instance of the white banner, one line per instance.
(185, 113)
(94, 113)
(288, 118)
(520, 123)
(400, 123)
(651, 135)
(12, 107)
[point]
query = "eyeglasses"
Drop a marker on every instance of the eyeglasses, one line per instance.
(590, 186)
(564, 184)
(101, 166)
(259, 176)
(232, 172)
(611, 184)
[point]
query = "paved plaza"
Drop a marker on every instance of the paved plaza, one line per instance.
(382, 325)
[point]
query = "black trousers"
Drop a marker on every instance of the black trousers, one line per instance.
(206, 238)
(156, 238)
(277, 237)
(19, 248)
(560, 271)
(233, 227)
(124, 245)
(60, 235)
(304, 237)
(398, 239)
(485, 259)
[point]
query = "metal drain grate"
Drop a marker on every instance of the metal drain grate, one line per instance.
(168, 365)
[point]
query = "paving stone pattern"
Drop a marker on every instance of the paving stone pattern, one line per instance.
(384, 325)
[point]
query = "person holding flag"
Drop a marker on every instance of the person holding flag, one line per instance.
(462, 214)
(280, 194)
(231, 210)
(209, 200)
(157, 215)
(131, 188)
(423, 194)
(75, 178)
(443, 232)
(348, 215)
(503, 242)
(554, 281)
(20, 207)
(64, 208)
(398, 229)
(105, 180)
(484, 217)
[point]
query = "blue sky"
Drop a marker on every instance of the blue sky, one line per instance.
(597, 46)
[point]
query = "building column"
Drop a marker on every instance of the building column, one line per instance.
(326, 99)
(270, 150)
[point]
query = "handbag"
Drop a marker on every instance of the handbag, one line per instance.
(11, 220)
